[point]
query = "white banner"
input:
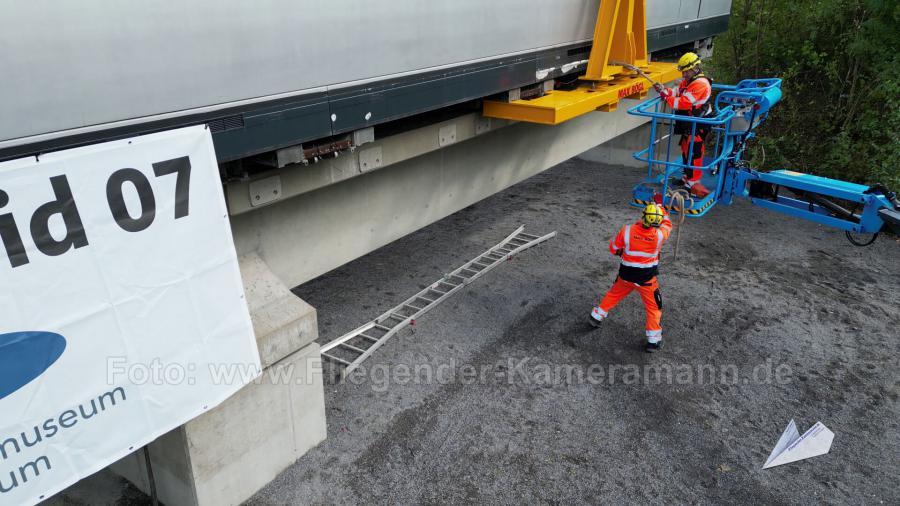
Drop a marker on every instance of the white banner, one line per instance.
(119, 294)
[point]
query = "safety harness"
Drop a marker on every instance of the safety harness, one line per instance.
(704, 110)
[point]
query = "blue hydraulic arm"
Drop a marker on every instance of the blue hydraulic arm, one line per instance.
(811, 199)
(739, 110)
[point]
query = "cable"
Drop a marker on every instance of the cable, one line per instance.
(861, 244)
(678, 197)
(853, 240)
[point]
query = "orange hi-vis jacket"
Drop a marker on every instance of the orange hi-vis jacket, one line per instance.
(640, 246)
(691, 93)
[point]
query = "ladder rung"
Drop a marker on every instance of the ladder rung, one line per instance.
(351, 347)
(332, 357)
(396, 319)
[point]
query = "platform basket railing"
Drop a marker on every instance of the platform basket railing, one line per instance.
(737, 110)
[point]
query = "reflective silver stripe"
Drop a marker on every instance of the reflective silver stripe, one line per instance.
(690, 96)
(659, 241)
(627, 238)
(642, 254)
(636, 264)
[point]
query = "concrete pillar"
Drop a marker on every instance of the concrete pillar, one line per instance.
(226, 455)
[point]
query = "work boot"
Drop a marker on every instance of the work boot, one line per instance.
(653, 347)
(698, 190)
(596, 318)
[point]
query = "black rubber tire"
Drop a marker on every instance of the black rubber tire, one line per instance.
(860, 244)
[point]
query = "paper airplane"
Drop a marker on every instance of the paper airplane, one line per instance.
(792, 447)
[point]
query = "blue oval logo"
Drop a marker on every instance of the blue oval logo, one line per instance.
(26, 355)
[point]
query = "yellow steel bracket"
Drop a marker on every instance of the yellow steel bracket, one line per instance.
(558, 106)
(620, 36)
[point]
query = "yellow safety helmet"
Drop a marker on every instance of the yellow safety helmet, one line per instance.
(688, 61)
(653, 215)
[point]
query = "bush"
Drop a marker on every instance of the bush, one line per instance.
(840, 114)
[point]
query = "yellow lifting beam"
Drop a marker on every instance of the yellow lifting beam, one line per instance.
(620, 36)
(561, 105)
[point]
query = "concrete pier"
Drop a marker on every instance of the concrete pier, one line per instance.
(224, 456)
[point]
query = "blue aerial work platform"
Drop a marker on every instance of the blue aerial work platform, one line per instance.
(738, 110)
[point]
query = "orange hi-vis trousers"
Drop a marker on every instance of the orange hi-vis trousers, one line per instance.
(651, 297)
(694, 159)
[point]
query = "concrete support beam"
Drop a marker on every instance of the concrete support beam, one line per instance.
(292, 180)
(619, 151)
(303, 237)
(226, 455)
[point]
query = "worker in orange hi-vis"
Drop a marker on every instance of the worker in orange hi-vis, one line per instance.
(691, 98)
(639, 245)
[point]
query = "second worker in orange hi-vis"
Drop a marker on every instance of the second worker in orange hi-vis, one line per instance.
(639, 245)
(691, 98)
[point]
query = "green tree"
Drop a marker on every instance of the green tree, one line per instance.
(840, 115)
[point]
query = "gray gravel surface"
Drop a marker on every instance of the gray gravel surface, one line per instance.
(766, 318)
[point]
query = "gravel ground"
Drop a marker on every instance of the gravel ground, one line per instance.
(766, 318)
(807, 321)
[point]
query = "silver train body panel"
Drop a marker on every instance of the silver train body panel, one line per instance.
(72, 68)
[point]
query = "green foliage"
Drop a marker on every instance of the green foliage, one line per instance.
(840, 115)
